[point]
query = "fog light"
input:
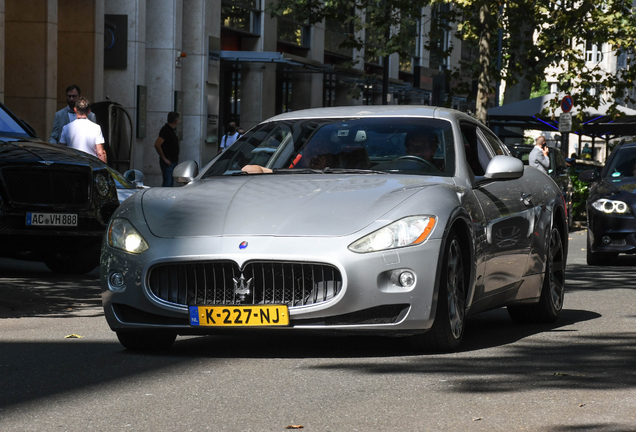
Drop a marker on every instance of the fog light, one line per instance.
(116, 281)
(606, 240)
(407, 279)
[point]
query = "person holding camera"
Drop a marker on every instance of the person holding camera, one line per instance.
(539, 155)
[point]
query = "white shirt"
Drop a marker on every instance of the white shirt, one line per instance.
(82, 134)
(227, 140)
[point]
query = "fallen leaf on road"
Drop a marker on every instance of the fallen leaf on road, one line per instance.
(295, 427)
(581, 405)
(560, 374)
(73, 336)
(477, 418)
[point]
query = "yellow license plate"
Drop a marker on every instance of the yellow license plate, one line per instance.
(239, 316)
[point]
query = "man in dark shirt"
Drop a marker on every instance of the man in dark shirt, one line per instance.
(167, 146)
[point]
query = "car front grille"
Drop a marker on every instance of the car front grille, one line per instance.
(262, 282)
(47, 186)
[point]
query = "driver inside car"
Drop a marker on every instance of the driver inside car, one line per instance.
(422, 144)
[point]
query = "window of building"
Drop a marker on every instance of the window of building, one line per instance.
(283, 91)
(242, 15)
(335, 34)
(329, 90)
(292, 31)
(440, 37)
(593, 52)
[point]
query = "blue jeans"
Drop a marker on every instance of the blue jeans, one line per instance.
(166, 171)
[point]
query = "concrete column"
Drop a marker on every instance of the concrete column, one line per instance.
(163, 77)
(80, 55)
(31, 58)
(121, 84)
(2, 17)
(198, 15)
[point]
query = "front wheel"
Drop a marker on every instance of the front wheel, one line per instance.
(553, 290)
(448, 328)
(145, 340)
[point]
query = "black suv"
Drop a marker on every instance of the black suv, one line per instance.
(55, 202)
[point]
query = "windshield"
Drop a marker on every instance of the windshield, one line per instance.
(623, 164)
(9, 126)
(420, 146)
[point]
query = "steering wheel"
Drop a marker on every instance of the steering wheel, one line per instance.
(418, 159)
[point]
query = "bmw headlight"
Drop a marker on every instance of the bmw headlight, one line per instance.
(101, 184)
(610, 206)
(405, 232)
(123, 235)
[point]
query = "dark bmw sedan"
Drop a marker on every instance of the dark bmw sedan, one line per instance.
(611, 206)
(55, 202)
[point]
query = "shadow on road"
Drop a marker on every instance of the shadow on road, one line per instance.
(31, 290)
(600, 278)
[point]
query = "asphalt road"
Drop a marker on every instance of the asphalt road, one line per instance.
(576, 375)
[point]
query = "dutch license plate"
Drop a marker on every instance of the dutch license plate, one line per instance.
(239, 316)
(51, 219)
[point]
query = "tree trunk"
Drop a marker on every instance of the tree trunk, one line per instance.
(483, 83)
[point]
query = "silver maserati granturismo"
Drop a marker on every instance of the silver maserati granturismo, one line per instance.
(387, 220)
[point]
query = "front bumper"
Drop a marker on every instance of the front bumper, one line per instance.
(620, 230)
(369, 300)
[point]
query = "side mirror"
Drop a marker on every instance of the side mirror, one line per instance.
(589, 176)
(134, 176)
(185, 172)
(504, 168)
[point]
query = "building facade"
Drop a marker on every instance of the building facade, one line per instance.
(214, 61)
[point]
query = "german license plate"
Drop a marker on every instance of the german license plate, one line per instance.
(51, 219)
(239, 316)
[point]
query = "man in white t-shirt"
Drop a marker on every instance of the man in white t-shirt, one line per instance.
(230, 137)
(82, 134)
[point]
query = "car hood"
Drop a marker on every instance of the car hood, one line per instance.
(32, 151)
(623, 184)
(277, 205)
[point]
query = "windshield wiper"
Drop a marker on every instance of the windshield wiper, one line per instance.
(350, 171)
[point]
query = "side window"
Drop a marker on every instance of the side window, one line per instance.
(496, 145)
(477, 155)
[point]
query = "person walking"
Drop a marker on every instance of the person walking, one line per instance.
(538, 157)
(167, 146)
(230, 137)
(82, 134)
(67, 114)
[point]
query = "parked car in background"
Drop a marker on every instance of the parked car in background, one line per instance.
(558, 171)
(611, 224)
(395, 220)
(55, 202)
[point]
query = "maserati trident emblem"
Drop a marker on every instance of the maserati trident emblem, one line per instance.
(242, 287)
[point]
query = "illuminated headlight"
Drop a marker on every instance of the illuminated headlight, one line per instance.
(122, 235)
(405, 232)
(610, 206)
(101, 184)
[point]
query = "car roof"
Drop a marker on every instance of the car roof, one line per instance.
(362, 111)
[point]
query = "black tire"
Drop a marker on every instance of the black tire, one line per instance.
(72, 262)
(598, 259)
(447, 331)
(550, 303)
(146, 341)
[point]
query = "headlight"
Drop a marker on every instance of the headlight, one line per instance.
(611, 206)
(122, 235)
(102, 185)
(405, 232)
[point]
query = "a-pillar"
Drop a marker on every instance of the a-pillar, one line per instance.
(163, 77)
(31, 58)
(2, 51)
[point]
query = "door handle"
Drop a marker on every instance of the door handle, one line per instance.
(526, 198)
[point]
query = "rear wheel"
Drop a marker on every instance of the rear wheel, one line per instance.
(146, 341)
(552, 293)
(448, 329)
(72, 262)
